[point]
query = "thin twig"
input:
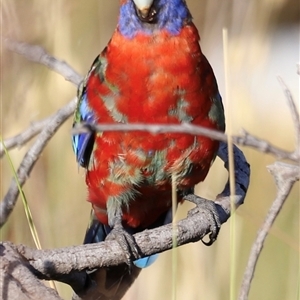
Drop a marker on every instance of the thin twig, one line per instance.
(294, 112)
(47, 127)
(30, 158)
(25, 136)
(264, 146)
(244, 140)
(285, 176)
(40, 55)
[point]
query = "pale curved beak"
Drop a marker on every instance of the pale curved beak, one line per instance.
(143, 6)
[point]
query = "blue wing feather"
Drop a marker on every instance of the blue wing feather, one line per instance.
(83, 142)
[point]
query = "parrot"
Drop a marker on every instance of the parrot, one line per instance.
(152, 71)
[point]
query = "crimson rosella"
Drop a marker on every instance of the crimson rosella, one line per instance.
(152, 71)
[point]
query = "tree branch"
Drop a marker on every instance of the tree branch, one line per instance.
(16, 279)
(294, 113)
(46, 127)
(285, 176)
(245, 140)
(33, 130)
(39, 55)
(31, 157)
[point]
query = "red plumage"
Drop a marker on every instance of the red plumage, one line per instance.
(146, 79)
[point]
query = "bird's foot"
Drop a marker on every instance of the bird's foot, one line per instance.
(209, 209)
(126, 241)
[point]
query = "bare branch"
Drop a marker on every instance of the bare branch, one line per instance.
(285, 176)
(264, 146)
(17, 280)
(61, 264)
(294, 112)
(30, 158)
(52, 263)
(39, 55)
(25, 136)
(244, 140)
(47, 127)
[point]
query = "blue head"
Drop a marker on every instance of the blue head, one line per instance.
(148, 16)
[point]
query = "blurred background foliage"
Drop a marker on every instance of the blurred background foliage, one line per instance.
(263, 43)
